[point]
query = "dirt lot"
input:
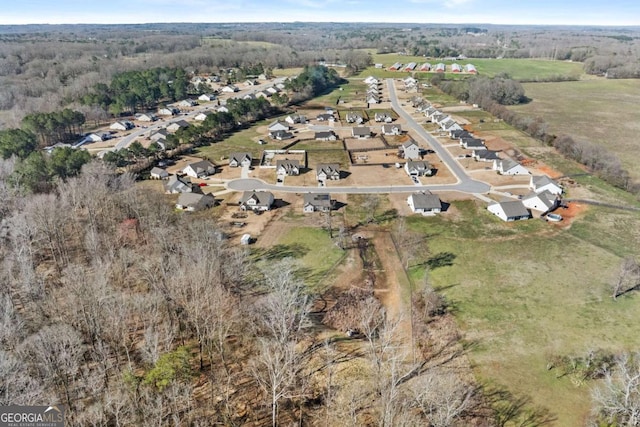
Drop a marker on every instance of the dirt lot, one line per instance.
(363, 144)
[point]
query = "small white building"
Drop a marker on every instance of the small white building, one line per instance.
(159, 173)
(512, 210)
(543, 201)
(509, 167)
(425, 203)
(201, 169)
(410, 150)
(541, 183)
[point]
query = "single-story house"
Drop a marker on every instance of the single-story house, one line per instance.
(325, 171)
(201, 117)
(122, 125)
(158, 173)
(418, 168)
(201, 169)
(281, 135)
(251, 82)
(195, 201)
(425, 203)
(471, 143)
(410, 150)
(459, 134)
(325, 117)
(256, 200)
(295, 118)
(372, 99)
(207, 97)
(288, 167)
(166, 111)
(512, 210)
(541, 183)
(272, 90)
(278, 125)
(146, 117)
(485, 155)
(240, 159)
(449, 125)
(188, 103)
(394, 129)
(543, 202)
(361, 132)
(222, 109)
(317, 202)
(325, 136)
(92, 137)
(177, 184)
(177, 125)
(159, 135)
(230, 89)
(509, 167)
(371, 80)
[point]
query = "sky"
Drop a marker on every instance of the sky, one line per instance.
(514, 12)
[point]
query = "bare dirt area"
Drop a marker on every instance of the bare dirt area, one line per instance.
(363, 144)
(366, 175)
(376, 157)
(494, 179)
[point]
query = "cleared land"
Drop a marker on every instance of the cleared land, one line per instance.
(601, 111)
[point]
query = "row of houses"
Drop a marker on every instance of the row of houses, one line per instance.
(545, 196)
(440, 67)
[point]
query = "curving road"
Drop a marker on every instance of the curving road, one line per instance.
(465, 184)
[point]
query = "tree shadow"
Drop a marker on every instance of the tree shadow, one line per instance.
(511, 409)
(442, 259)
(277, 252)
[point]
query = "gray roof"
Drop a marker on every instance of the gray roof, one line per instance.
(239, 157)
(545, 197)
(361, 131)
(320, 200)
(263, 198)
(389, 128)
(288, 164)
(328, 168)
(195, 200)
(323, 135)
(514, 208)
(472, 142)
(409, 144)
(201, 166)
(420, 165)
(486, 154)
(542, 180)
(426, 200)
(507, 164)
(159, 171)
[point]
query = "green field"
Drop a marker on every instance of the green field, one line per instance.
(601, 111)
(519, 69)
(244, 140)
(525, 292)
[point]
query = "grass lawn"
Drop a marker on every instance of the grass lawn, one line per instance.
(523, 292)
(601, 111)
(353, 91)
(313, 248)
(244, 140)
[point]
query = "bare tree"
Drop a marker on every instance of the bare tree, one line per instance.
(628, 277)
(617, 398)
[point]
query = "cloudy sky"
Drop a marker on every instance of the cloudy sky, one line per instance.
(546, 12)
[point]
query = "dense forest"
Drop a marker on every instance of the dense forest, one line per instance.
(45, 68)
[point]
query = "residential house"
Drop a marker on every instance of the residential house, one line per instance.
(251, 82)
(372, 99)
(122, 125)
(278, 125)
(222, 109)
(383, 117)
(317, 202)
(261, 94)
(459, 134)
(280, 86)
(201, 117)
(509, 167)
(485, 155)
(201, 169)
(449, 125)
(392, 129)
(352, 117)
(240, 160)
(541, 183)
(159, 135)
(195, 201)
(166, 111)
(471, 143)
(92, 137)
(328, 171)
(158, 173)
(177, 184)
(512, 210)
(543, 202)
(410, 150)
(418, 168)
(146, 117)
(272, 90)
(177, 125)
(361, 132)
(424, 203)
(230, 89)
(280, 135)
(295, 118)
(186, 103)
(207, 97)
(371, 80)
(288, 167)
(325, 136)
(325, 117)
(409, 81)
(256, 200)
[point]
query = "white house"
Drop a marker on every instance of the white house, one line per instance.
(325, 136)
(146, 117)
(240, 159)
(371, 80)
(317, 202)
(410, 150)
(512, 210)
(201, 117)
(123, 125)
(295, 118)
(543, 202)
(167, 111)
(541, 183)
(356, 118)
(256, 200)
(471, 143)
(195, 201)
(328, 171)
(288, 167)
(485, 155)
(230, 89)
(158, 173)
(509, 167)
(207, 97)
(418, 168)
(278, 125)
(187, 103)
(177, 125)
(425, 203)
(383, 117)
(200, 169)
(392, 129)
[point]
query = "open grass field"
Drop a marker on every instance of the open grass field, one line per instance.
(527, 291)
(244, 140)
(519, 69)
(601, 111)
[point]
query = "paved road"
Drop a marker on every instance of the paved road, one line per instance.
(127, 140)
(465, 184)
